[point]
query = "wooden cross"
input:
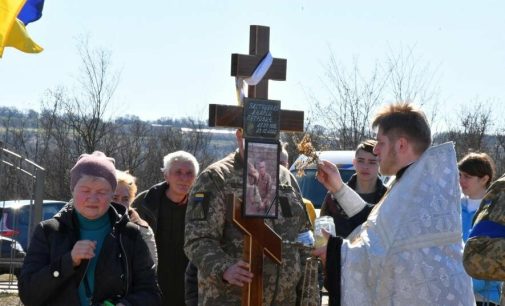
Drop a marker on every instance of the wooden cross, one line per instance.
(259, 238)
(244, 66)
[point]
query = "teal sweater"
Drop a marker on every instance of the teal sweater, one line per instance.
(94, 230)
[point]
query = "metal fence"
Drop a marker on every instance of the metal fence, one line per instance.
(21, 185)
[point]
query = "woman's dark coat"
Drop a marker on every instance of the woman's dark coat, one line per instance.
(125, 271)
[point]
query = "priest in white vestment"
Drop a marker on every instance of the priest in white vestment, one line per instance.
(409, 251)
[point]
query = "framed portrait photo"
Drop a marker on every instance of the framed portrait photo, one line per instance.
(261, 178)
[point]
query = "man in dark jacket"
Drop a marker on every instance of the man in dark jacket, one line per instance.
(163, 207)
(88, 253)
(365, 182)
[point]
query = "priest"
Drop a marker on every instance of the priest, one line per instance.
(409, 250)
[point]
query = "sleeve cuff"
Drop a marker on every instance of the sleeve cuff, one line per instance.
(333, 269)
(349, 200)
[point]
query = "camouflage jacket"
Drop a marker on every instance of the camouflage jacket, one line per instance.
(483, 257)
(213, 243)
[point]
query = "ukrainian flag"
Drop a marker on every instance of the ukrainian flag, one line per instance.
(12, 30)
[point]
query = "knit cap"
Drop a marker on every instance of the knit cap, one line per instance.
(95, 164)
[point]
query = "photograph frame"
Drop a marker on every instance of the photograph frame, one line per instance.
(261, 178)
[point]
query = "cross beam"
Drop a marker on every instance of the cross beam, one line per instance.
(233, 116)
(244, 65)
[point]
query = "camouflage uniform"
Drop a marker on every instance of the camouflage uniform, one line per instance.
(484, 254)
(213, 243)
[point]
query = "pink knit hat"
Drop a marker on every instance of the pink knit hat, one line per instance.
(95, 164)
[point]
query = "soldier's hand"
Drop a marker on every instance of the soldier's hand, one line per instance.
(83, 249)
(328, 175)
(238, 274)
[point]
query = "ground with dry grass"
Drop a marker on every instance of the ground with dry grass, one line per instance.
(8, 298)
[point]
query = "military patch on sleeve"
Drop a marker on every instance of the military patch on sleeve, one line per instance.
(199, 207)
(199, 197)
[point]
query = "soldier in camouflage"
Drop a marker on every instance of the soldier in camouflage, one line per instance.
(484, 254)
(215, 245)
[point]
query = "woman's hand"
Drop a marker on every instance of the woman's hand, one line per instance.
(135, 218)
(83, 249)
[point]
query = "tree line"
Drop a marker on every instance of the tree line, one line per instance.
(72, 122)
(55, 141)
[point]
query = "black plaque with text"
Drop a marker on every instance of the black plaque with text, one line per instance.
(262, 118)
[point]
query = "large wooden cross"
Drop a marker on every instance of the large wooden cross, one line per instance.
(244, 66)
(259, 238)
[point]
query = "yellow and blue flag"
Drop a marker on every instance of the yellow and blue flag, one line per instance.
(32, 11)
(14, 16)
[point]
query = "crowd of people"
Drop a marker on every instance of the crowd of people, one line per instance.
(435, 235)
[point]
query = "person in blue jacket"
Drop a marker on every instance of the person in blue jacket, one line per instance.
(476, 171)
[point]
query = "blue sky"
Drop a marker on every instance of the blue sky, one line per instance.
(174, 56)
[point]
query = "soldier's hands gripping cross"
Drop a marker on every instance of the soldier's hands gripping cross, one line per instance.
(238, 274)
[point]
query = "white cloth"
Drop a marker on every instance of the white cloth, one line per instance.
(473, 204)
(409, 251)
(255, 78)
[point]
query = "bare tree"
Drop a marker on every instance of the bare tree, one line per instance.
(354, 95)
(413, 79)
(131, 141)
(197, 141)
(76, 121)
(474, 123)
(352, 98)
(499, 152)
(85, 111)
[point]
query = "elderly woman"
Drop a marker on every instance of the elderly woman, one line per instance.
(163, 206)
(125, 193)
(88, 254)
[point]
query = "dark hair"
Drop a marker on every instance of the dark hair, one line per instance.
(367, 146)
(403, 119)
(478, 164)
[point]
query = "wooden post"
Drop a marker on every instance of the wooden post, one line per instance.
(259, 239)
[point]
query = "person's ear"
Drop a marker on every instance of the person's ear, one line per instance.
(402, 145)
(354, 162)
(485, 179)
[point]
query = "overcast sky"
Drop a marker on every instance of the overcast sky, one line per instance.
(174, 56)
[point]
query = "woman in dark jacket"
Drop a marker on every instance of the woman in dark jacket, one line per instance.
(89, 254)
